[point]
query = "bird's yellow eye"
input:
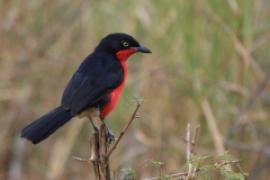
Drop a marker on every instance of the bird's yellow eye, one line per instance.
(125, 44)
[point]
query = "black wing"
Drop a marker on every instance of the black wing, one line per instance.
(87, 87)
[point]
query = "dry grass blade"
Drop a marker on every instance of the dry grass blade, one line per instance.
(234, 6)
(195, 139)
(188, 150)
(216, 134)
(211, 121)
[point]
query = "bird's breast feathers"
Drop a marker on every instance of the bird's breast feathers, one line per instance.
(115, 94)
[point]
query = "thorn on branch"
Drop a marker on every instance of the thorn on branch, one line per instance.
(81, 159)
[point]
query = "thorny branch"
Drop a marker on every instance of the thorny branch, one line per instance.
(193, 170)
(101, 151)
(134, 116)
(185, 174)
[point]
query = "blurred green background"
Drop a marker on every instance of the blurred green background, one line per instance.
(210, 66)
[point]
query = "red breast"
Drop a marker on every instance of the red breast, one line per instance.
(115, 94)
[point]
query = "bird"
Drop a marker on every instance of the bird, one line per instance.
(93, 90)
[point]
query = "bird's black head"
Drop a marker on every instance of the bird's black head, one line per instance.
(120, 42)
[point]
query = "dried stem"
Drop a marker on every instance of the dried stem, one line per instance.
(188, 150)
(195, 139)
(94, 148)
(134, 115)
(211, 121)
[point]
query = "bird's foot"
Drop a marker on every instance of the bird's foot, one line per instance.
(109, 135)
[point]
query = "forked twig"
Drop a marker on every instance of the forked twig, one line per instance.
(100, 151)
(133, 117)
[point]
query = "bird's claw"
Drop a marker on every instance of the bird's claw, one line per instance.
(109, 136)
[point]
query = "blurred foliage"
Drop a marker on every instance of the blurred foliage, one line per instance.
(210, 50)
(127, 174)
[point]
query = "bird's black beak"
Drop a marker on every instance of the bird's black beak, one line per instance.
(143, 49)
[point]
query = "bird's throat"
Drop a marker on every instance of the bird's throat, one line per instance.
(123, 55)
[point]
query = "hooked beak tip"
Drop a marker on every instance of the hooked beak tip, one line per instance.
(143, 49)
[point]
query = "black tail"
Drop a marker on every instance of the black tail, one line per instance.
(46, 125)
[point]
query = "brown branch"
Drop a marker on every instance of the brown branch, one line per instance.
(104, 165)
(195, 139)
(100, 151)
(94, 156)
(134, 116)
